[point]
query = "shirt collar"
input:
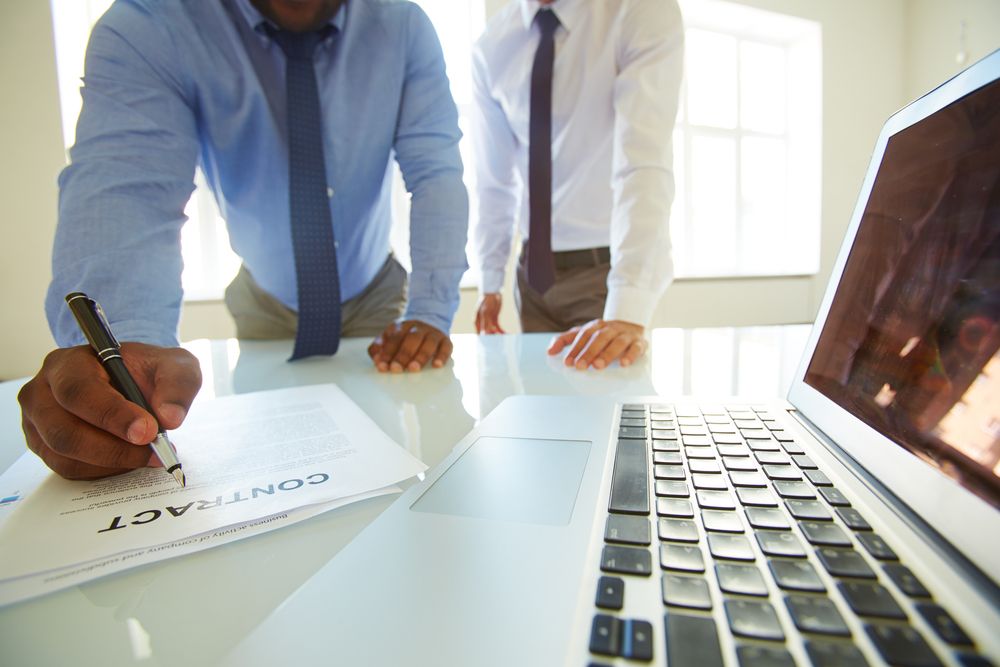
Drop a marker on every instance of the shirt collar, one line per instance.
(257, 21)
(567, 11)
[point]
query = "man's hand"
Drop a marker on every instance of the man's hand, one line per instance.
(488, 314)
(409, 345)
(598, 342)
(83, 428)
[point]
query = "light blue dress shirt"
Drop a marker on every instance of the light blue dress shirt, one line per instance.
(172, 84)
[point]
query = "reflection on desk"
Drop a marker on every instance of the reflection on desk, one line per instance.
(194, 609)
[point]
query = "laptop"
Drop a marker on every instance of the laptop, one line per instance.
(855, 523)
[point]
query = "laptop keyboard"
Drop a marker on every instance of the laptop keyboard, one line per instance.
(727, 511)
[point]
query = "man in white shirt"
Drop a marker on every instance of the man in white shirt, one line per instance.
(604, 186)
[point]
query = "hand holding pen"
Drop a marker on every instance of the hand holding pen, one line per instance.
(83, 427)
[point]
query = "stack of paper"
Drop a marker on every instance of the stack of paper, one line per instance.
(254, 462)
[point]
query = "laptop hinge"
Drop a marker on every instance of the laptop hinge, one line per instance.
(989, 589)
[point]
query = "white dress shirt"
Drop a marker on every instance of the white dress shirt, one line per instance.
(616, 81)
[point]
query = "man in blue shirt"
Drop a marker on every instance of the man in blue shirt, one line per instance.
(172, 85)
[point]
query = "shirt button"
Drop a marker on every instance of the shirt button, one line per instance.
(329, 193)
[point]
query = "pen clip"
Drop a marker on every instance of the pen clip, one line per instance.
(104, 323)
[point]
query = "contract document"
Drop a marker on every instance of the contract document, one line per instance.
(253, 462)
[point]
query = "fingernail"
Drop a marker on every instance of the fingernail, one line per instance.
(599, 363)
(413, 367)
(137, 432)
(172, 414)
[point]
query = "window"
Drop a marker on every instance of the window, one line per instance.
(209, 262)
(747, 144)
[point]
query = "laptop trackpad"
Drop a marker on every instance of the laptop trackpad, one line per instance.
(511, 479)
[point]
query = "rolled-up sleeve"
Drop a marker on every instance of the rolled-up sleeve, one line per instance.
(123, 194)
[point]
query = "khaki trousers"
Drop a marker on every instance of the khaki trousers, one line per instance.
(577, 297)
(259, 315)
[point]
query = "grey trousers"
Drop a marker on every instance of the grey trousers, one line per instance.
(259, 315)
(577, 297)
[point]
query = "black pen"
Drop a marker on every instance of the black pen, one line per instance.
(95, 327)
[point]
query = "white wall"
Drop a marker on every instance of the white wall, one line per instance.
(31, 157)
(877, 55)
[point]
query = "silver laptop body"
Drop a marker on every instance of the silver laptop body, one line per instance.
(856, 523)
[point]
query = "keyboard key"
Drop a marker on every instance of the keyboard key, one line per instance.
(681, 558)
(796, 575)
(747, 478)
(764, 445)
(626, 560)
(762, 517)
(853, 518)
(610, 593)
(710, 482)
(624, 529)
(704, 466)
(790, 447)
(632, 421)
(782, 436)
(716, 500)
(772, 458)
(672, 489)
(833, 496)
(681, 591)
(699, 453)
(824, 534)
(605, 635)
(870, 599)
(876, 546)
(692, 641)
(637, 640)
(754, 619)
(740, 579)
(817, 477)
(724, 434)
(721, 522)
(696, 440)
(804, 462)
(632, 432)
(902, 646)
(943, 624)
(813, 510)
(675, 472)
(780, 543)
(818, 615)
(730, 547)
(670, 458)
(834, 654)
(675, 507)
(906, 580)
(764, 656)
(788, 489)
(845, 563)
(739, 464)
(677, 530)
(756, 497)
(672, 445)
(783, 472)
(734, 452)
(665, 434)
(629, 483)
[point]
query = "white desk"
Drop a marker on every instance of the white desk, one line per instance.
(192, 610)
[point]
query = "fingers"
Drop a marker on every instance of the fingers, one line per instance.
(83, 428)
(175, 381)
(488, 314)
(599, 343)
(560, 342)
(410, 346)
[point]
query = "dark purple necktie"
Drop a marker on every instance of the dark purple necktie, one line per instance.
(540, 267)
(316, 274)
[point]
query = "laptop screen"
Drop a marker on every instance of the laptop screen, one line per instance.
(910, 344)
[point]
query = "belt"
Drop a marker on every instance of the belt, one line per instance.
(571, 259)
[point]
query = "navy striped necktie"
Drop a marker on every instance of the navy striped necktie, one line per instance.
(540, 266)
(316, 274)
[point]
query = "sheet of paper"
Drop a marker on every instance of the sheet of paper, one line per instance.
(282, 453)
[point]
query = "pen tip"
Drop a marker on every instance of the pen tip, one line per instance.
(179, 476)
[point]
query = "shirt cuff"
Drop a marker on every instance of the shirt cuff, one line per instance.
(440, 322)
(490, 281)
(631, 304)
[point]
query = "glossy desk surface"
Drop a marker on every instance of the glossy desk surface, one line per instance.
(194, 609)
